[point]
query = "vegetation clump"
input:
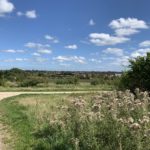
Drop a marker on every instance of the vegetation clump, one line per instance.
(114, 120)
(138, 75)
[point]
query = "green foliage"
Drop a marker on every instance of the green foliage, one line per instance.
(2, 80)
(138, 76)
(71, 80)
(109, 121)
(95, 82)
(29, 83)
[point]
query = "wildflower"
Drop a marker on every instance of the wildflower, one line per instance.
(120, 120)
(96, 107)
(144, 120)
(130, 120)
(135, 126)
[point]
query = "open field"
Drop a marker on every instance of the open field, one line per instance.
(108, 120)
(54, 87)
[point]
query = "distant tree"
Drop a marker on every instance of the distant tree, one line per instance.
(2, 80)
(138, 75)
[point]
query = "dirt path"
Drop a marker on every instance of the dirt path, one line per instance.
(10, 94)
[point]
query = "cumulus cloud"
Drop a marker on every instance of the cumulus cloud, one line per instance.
(140, 52)
(51, 38)
(76, 59)
(40, 48)
(102, 39)
(125, 31)
(132, 23)
(127, 26)
(145, 43)
(6, 7)
(114, 51)
(31, 14)
(121, 61)
(74, 46)
(91, 22)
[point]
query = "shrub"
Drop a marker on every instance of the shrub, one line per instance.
(2, 80)
(94, 82)
(73, 80)
(29, 83)
(138, 75)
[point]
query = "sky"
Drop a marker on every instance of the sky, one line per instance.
(73, 35)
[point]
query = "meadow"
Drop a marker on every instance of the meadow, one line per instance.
(94, 121)
(21, 80)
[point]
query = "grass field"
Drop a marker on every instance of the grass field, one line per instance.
(112, 120)
(83, 86)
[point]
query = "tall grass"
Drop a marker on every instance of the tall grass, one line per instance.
(110, 120)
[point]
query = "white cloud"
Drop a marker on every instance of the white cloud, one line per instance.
(126, 31)
(145, 43)
(37, 45)
(6, 7)
(127, 26)
(76, 59)
(12, 51)
(40, 48)
(102, 39)
(140, 52)
(44, 51)
(121, 61)
(21, 59)
(36, 54)
(48, 37)
(51, 38)
(31, 14)
(15, 60)
(114, 51)
(91, 22)
(132, 23)
(74, 46)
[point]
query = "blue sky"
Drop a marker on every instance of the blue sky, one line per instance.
(88, 35)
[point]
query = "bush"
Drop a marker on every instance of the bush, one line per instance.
(70, 80)
(2, 80)
(29, 83)
(138, 76)
(94, 82)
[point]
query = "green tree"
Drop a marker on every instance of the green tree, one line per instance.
(138, 75)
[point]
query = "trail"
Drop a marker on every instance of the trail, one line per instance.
(4, 95)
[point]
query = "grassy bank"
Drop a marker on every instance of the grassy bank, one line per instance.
(55, 87)
(113, 120)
